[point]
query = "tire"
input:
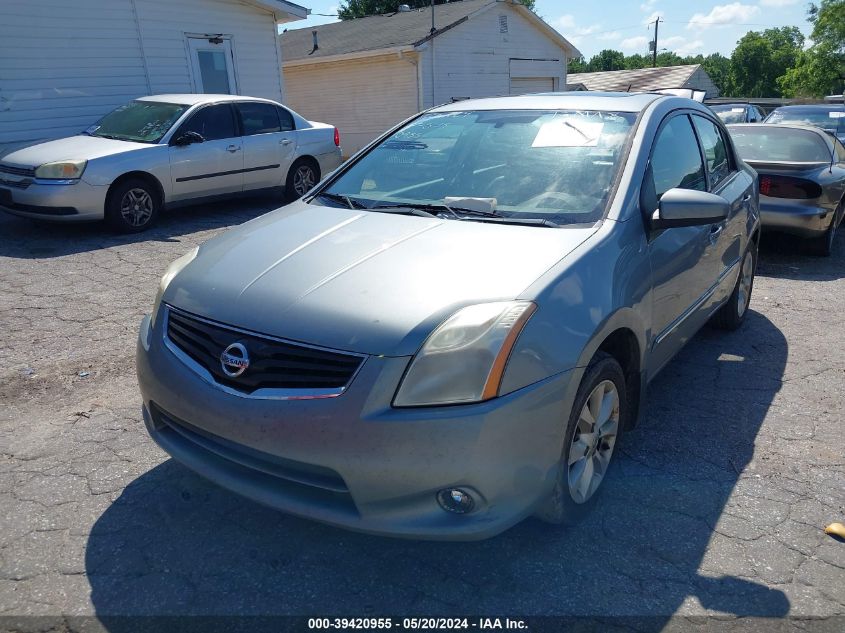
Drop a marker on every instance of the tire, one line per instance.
(731, 315)
(303, 175)
(822, 246)
(132, 206)
(573, 496)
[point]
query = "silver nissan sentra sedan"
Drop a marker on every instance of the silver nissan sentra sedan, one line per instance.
(452, 331)
(163, 151)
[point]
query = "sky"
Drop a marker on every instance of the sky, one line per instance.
(690, 27)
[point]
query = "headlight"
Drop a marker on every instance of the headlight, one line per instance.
(168, 276)
(464, 358)
(62, 170)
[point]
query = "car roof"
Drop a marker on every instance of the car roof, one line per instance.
(576, 100)
(194, 99)
(728, 105)
(811, 107)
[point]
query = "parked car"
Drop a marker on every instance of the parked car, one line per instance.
(738, 113)
(451, 332)
(163, 151)
(802, 179)
(829, 117)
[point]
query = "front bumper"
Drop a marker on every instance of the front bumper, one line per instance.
(76, 201)
(353, 461)
(794, 217)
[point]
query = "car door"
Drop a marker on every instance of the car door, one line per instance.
(268, 145)
(681, 277)
(213, 166)
(735, 186)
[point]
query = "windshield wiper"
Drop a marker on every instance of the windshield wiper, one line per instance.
(405, 209)
(350, 202)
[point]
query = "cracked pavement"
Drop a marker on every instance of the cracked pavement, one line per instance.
(716, 504)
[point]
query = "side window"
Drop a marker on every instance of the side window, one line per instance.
(675, 158)
(715, 150)
(258, 118)
(212, 123)
(840, 151)
(285, 120)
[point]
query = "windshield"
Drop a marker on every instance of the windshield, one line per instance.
(820, 117)
(769, 144)
(730, 114)
(141, 121)
(524, 164)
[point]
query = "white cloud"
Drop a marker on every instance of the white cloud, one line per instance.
(778, 3)
(634, 43)
(589, 30)
(610, 35)
(689, 48)
(648, 5)
(564, 22)
(723, 14)
(653, 16)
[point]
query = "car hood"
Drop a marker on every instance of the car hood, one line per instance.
(79, 147)
(361, 281)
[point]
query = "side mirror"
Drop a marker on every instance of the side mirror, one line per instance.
(187, 138)
(686, 207)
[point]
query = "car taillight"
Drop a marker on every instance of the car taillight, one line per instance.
(789, 187)
(337, 137)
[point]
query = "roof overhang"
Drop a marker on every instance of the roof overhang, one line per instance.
(376, 52)
(282, 10)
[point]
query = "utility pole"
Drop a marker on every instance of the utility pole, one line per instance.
(653, 44)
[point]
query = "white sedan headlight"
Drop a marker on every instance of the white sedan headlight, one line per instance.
(168, 276)
(62, 170)
(464, 358)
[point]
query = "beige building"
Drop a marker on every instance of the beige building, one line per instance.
(368, 74)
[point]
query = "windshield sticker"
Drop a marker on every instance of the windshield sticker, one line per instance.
(836, 115)
(565, 133)
(737, 109)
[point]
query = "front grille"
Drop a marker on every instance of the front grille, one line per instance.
(16, 184)
(17, 171)
(273, 363)
(296, 480)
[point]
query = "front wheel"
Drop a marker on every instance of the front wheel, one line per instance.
(132, 206)
(731, 315)
(302, 177)
(592, 432)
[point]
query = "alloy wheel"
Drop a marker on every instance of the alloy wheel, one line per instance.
(593, 441)
(136, 207)
(303, 180)
(746, 278)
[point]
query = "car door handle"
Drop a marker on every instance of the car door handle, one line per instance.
(233, 148)
(715, 231)
(285, 141)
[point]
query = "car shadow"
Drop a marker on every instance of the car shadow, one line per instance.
(174, 544)
(786, 257)
(33, 239)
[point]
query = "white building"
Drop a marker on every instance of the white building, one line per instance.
(368, 74)
(65, 64)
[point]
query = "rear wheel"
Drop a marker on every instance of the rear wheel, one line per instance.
(731, 315)
(823, 245)
(592, 432)
(132, 206)
(303, 175)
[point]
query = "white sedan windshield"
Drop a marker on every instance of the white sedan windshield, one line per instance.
(553, 165)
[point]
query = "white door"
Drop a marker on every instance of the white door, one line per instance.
(212, 65)
(528, 85)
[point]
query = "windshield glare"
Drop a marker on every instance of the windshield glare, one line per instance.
(730, 114)
(829, 119)
(552, 165)
(140, 121)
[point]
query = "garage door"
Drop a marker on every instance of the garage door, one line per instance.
(527, 85)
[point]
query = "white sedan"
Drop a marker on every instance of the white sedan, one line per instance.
(166, 150)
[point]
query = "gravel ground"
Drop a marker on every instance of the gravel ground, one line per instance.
(716, 506)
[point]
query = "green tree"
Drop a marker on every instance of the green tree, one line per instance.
(635, 61)
(578, 65)
(607, 59)
(761, 57)
(718, 67)
(350, 9)
(821, 69)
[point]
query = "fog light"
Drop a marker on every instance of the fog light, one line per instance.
(455, 500)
